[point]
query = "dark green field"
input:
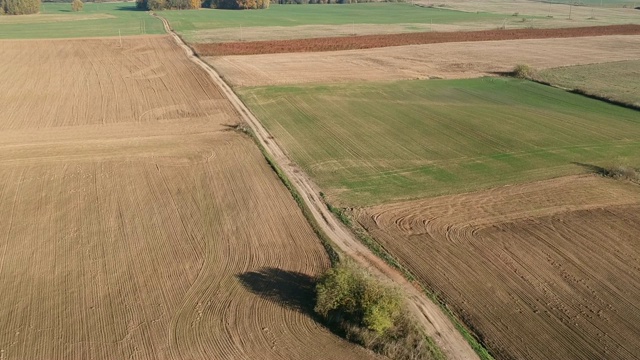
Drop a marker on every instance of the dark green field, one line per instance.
(374, 142)
(315, 20)
(327, 14)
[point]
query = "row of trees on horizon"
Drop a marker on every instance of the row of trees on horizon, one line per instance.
(196, 4)
(23, 7)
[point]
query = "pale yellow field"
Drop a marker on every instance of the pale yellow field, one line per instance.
(137, 223)
(448, 60)
(540, 14)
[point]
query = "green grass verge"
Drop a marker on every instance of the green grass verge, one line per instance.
(615, 81)
(328, 14)
(56, 20)
(334, 255)
(371, 143)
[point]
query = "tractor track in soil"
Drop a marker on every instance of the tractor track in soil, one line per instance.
(435, 322)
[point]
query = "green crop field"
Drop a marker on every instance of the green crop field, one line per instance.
(618, 81)
(56, 20)
(369, 143)
(328, 14)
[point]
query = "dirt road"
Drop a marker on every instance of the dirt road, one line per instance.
(436, 323)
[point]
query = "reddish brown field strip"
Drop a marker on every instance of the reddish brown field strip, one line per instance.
(375, 41)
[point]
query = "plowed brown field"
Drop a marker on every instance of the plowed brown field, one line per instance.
(135, 223)
(547, 270)
(375, 41)
(448, 61)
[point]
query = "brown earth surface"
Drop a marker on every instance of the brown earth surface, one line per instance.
(375, 41)
(435, 322)
(547, 270)
(448, 61)
(136, 224)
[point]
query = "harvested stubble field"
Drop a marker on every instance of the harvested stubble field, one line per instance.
(446, 61)
(616, 81)
(547, 270)
(375, 41)
(136, 223)
(369, 143)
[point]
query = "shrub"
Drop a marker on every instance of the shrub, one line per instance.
(240, 4)
(156, 4)
(622, 172)
(77, 5)
(348, 294)
(523, 71)
(370, 313)
(20, 7)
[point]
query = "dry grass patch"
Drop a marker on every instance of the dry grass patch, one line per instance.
(614, 81)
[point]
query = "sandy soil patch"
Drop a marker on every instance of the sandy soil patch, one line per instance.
(136, 224)
(451, 60)
(543, 270)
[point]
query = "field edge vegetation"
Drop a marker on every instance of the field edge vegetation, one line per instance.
(405, 332)
(612, 82)
(470, 335)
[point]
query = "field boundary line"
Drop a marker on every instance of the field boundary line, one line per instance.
(585, 93)
(435, 322)
(360, 42)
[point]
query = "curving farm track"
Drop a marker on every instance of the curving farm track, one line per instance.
(542, 270)
(435, 322)
(136, 222)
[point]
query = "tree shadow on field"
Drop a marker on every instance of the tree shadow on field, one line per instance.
(289, 288)
(594, 169)
(129, 8)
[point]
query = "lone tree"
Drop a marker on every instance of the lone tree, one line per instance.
(19, 7)
(77, 5)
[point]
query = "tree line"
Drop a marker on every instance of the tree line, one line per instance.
(196, 4)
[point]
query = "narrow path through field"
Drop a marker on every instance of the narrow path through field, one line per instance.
(435, 322)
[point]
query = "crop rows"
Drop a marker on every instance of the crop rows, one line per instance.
(137, 224)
